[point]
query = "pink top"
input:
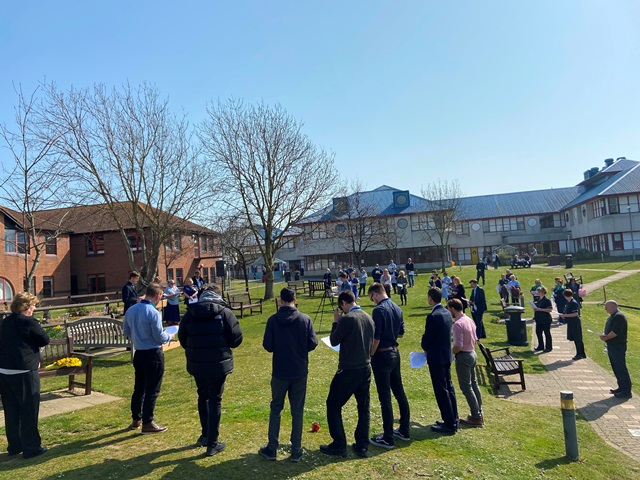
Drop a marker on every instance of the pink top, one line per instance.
(464, 333)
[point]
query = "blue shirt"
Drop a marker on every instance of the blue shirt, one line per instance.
(143, 324)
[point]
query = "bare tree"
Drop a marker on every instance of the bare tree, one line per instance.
(272, 173)
(445, 198)
(358, 227)
(32, 183)
(132, 154)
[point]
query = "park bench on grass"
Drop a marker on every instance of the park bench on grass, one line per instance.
(97, 332)
(297, 286)
(242, 301)
(62, 348)
(504, 365)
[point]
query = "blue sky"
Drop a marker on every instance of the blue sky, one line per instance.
(501, 95)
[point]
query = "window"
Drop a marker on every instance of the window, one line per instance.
(403, 223)
(196, 245)
(95, 245)
(210, 244)
(6, 292)
(51, 245)
(599, 208)
(617, 242)
(170, 274)
(555, 220)
(134, 242)
(205, 274)
(15, 241)
(96, 283)
(503, 224)
(319, 232)
(462, 228)
(47, 286)
(614, 207)
(179, 277)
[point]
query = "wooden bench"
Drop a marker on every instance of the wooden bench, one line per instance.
(297, 286)
(61, 348)
(504, 365)
(242, 301)
(98, 332)
(317, 286)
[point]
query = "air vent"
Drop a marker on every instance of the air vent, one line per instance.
(401, 199)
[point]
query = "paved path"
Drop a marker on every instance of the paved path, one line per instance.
(616, 421)
(63, 401)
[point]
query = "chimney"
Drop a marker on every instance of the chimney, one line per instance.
(609, 161)
(621, 158)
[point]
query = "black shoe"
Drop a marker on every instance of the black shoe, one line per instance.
(443, 429)
(296, 455)
(331, 450)
(359, 451)
(34, 453)
(13, 454)
(538, 349)
(617, 395)
(379, 441)
(267, 453)
(547, 350)
(217, 448)
(579, 357)
(401, 436)
(202, 441)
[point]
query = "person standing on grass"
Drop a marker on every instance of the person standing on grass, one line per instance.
(558, 297)
(21, 337)
(172, 309)
(464, 342)
(480, 269)
(289, 335)
(478, 303)
(385, 361)
(143, 324)
(542, 316)
(402, 287)
(571, 316)
(436, 343)
(363, 282)
(129, 292)
(352, 329)
(411, 272)
(208, 332)
(615, 335)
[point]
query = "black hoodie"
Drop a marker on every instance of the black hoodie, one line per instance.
(290, 336)
(208, 332)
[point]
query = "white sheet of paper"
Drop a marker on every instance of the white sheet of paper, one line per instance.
(327, 342)
(417, 359)
(533, 305)
(172, 330)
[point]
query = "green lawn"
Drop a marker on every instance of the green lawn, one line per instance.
(518, 441)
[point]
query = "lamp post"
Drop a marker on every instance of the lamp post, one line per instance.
(633, 249)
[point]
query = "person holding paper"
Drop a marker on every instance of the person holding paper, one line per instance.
(436, 342)
(464, 342)
(615, 335)
(385, 361)
(353, 330)
(571, 316)
(289, 335)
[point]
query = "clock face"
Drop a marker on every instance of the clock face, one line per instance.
(532, 222)
(340, 228)
(402, 223)
(401, 199)
(475, 226)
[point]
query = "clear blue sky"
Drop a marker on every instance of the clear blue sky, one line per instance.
(502, 95)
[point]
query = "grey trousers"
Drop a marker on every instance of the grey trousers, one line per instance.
(297, 391)
(466, 370)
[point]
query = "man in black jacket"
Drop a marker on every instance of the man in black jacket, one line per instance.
(129, 292)
(436, 343)
(289, 335)
(208, 332)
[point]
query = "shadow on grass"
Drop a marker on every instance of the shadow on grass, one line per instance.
(552, 463)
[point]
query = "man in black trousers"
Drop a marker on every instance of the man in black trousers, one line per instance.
(352, 329)
(478, 302)
(436, 343)
(615, 335)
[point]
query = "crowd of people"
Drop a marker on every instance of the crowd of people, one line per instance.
(368, 343)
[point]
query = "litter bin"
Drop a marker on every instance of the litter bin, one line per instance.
(568, 260)
(516, 326)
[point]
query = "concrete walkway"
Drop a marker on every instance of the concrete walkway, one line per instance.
(63, 401)
(616, 421)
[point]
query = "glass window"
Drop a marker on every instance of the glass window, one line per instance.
(170, 274)
(134, 242)
(95, 245)
(6, 292)
(614, 207)
(179, 277)
(15, 241)
(47, 286)
(616, 240)
(52, 245)
(205, 274)
(96, 283)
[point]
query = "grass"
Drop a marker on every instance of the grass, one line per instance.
(519, 441)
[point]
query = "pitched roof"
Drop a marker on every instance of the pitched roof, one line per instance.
(620, 183)
(94, 218)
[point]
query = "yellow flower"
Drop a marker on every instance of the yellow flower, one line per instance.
(67, 362)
